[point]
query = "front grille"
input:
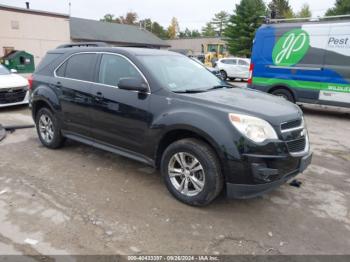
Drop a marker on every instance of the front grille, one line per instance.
(12, 95)
(296, 146)
(291, 124)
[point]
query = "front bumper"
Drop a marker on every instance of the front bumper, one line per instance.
(269, 175)
(22, 102)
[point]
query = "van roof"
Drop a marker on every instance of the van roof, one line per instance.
(299, 24)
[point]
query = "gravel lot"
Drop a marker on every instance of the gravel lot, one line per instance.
(81, 200)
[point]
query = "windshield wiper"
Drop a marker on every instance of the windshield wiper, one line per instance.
(221, 86)
(191, 91)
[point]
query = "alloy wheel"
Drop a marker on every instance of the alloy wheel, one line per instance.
(46, 128)
(186, 174)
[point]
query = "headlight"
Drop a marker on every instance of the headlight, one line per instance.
(254, 128)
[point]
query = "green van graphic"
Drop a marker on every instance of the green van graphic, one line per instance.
(291, 48)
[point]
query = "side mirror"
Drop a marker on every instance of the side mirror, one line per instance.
(13, 71)
(133, 84)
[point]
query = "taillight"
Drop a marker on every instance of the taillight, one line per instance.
(30, 82)
(251, 69)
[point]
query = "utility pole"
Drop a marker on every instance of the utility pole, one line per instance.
(69, 8)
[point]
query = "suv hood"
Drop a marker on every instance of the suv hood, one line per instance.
(12, 80)
(251, 102)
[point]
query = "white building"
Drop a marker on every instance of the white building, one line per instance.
(34, 31)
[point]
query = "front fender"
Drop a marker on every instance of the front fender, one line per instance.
(213, 126)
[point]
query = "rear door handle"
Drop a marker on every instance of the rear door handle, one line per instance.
(58, 84)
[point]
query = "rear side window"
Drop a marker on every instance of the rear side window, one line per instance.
(47, 60)
(61, 71)
(80, 67)
(242, 62)
(113, 68)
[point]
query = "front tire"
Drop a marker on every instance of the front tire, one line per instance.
(48, 129)
(223, 74)
(192, 172)
(284, 94)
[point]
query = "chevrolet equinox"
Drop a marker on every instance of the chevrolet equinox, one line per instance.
(167, 111)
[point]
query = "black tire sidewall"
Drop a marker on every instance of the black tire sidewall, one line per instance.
(223, 74)
(210, 171)
(57, 139)
(285, 94)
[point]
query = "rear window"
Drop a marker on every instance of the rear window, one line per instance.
(79, 67)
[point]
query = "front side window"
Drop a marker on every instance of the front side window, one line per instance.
(79, 67)
(113, 68)
(179, 73)
(4, 70)
(232, 61)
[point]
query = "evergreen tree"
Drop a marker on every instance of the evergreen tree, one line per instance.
(186, 33)
(242, 26)
(342, 7)
(195, 33)
(159, 31)
(220, 21)
(304, 12)
(209, 30)
(280, 9)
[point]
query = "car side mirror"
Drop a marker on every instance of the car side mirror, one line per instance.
(133, 84)
(13, 71)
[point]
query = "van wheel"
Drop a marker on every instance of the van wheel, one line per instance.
(223, 74)
(48, 129)
(285, 94)
(191, 172)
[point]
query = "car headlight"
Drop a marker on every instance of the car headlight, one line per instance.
(256, 129)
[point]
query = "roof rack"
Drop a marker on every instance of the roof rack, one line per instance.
(83, 44)
(268, 20)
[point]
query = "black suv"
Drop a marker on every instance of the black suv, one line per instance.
(165, 110)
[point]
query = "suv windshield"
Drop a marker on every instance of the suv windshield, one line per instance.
(4, 70)
(180, 74)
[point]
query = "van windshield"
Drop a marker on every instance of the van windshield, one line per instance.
(4, 70)
(180, 73)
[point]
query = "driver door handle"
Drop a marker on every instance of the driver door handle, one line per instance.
(99, 97)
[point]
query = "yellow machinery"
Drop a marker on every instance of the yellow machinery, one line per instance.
(213, 52)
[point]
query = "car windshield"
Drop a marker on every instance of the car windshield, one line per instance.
(197, 60)
(180, 73)
(4, 70)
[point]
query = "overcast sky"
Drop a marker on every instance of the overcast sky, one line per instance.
(190, 13)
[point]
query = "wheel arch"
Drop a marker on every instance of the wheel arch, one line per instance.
(284, 87)
(43, 96)
(178, 133)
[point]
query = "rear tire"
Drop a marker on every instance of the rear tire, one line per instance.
(191, 171)
(48, 129)
(284, 94)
